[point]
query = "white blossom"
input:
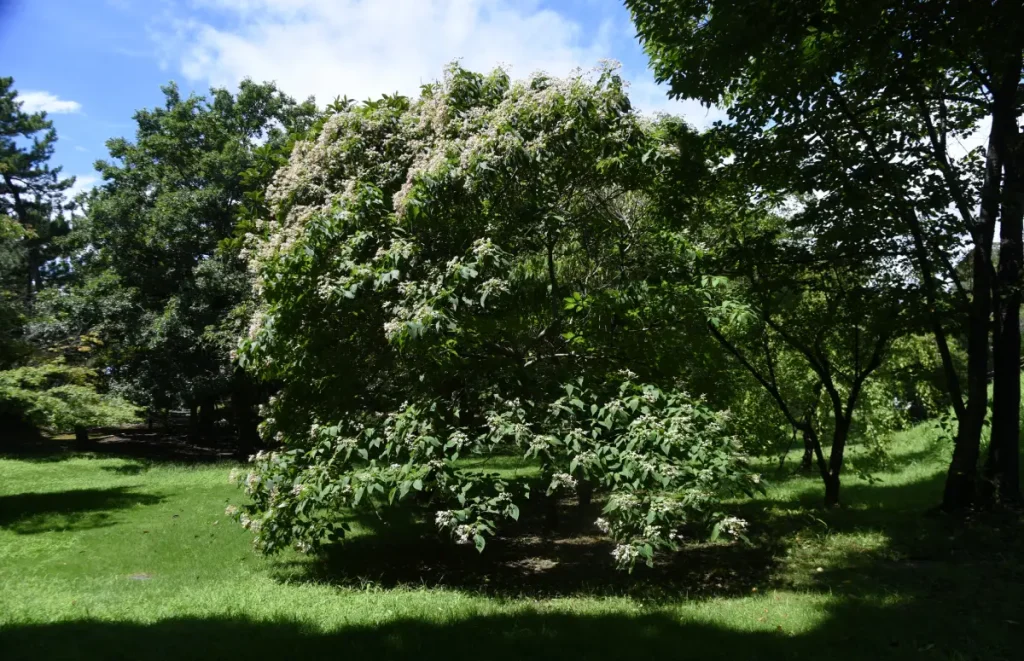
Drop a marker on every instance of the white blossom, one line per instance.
(463, 534)
(563, 480)
(625, 554)
(445, 519)
(732, 525)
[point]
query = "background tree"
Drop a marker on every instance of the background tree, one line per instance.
(38, 389)
(31, 191)
(856, 104)
(806, 324)
(159, 276)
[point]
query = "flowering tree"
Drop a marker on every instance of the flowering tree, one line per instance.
(470, 273)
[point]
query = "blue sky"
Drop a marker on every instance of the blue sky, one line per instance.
(92, 63)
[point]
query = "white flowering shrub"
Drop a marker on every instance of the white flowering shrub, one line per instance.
(435, 270)
(665, 460)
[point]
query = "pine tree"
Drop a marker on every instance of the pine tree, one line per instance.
(32, 193)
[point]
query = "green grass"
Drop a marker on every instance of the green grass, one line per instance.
(105, 558)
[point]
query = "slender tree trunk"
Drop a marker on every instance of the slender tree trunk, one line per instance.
(585, 492)
(193, 421)
(207, 417)
(1002, 469)
(243, 400)
(807, 462)
(961, 480)
(835, 461)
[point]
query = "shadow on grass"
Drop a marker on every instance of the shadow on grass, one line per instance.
(78, 509)
(848, 629)
(530, 566)
(884, 539)
(170, 446)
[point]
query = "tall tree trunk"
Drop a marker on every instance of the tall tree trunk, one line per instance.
(207, 417)
(82, 441)
(1002, 468)
(243, 400)
(962, 477)
(193, 421)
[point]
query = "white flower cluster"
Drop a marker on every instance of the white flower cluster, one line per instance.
(732, 525)
(625, 554)
(464, 534)
(445, 519)
(563, 480)
(603, 525)
(458, 439)
(230, 510)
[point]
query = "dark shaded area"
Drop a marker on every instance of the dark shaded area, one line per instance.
(530, 559)
(852, 629)
(77, 509)
(172, 444)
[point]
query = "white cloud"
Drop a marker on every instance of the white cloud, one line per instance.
(365, 48)
(83, 182)
(36, 101)
(80, 148)
(651, 97)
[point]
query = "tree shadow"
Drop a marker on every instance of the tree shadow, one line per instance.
(527, 559)
(77, 509)
(849, 629)
(155, 446)
(884, 537)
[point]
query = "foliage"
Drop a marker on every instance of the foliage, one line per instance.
(666, 461)
(59, 397)
(158, 278)
(852, 110)
(31, 191)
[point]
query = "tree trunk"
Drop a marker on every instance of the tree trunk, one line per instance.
(1002, 469)
(193, 422)
(82, 441)
(832, 491)
(207, 417)
(585, 493)
(246, 423)
(835, 460)
(551, 511)
(807, 462)
(961, 480)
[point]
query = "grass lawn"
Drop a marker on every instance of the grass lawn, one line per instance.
(113, 558)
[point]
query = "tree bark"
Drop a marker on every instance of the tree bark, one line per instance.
(193, 422)
(835, 461)
(243, 400)
(807, 462)
(585, 493)
(82, 441)
(207, 417)
(961, 480)
(1002, 469)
